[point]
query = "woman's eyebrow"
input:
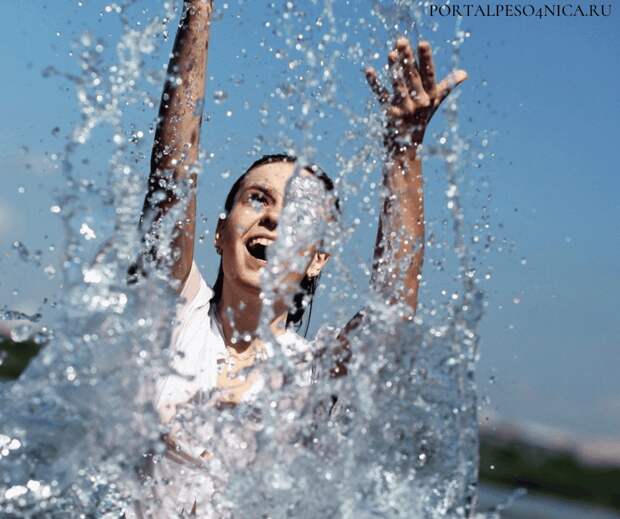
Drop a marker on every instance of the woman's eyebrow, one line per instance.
(265, 188)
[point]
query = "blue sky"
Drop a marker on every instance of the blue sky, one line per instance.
(542, 91)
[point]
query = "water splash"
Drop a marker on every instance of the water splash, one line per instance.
(401, 440)
(77, 418)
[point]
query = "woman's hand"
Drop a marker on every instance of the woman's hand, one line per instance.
(415, 97)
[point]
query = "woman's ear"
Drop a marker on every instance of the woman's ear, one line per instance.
(319, 260)
(218, 236)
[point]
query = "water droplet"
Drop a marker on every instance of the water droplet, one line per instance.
(219, 96)
(86, 39)
(87, 232)
(70, 373)
(15, 491)
(21, 332)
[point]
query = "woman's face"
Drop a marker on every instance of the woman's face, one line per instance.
(251, 226)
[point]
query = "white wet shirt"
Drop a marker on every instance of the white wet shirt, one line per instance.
(198, 348)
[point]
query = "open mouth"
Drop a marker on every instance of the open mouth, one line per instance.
(257, 247)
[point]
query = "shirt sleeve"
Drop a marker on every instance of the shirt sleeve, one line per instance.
(179, 386)
(192, 284)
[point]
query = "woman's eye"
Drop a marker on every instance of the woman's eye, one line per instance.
(257, 198)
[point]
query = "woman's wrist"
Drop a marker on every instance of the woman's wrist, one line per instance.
(399, 144)
(198, 7)
(199, 3)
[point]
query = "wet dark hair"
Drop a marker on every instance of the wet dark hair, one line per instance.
(308, 285)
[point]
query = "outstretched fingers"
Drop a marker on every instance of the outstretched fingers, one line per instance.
(427, 68)
(448, 84)
(378, 89)
(401, 92)
(410, 69)
(415, 93)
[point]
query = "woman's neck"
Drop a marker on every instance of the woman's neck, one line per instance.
(240, 313)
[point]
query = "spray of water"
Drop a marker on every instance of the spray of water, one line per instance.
(79, 429)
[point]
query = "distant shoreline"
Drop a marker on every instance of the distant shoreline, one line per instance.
(535, 505)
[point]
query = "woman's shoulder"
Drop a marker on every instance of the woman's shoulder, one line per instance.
(196, 293)
(194, 321)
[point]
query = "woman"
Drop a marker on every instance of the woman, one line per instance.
(216, 335)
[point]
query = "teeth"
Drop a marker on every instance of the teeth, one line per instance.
(260, 241)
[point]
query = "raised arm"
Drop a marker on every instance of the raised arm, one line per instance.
(399, 249)
(175, 149)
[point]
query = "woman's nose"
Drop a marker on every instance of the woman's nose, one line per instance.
(269, 219)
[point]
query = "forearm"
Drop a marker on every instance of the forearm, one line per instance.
(175, 149)
(180, 110)
(399, 249)
(415, 98)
